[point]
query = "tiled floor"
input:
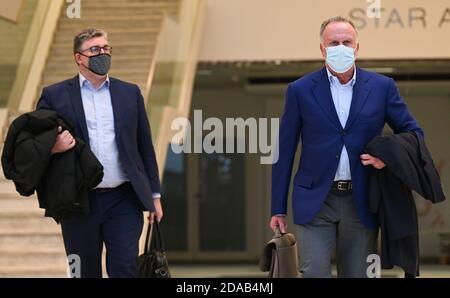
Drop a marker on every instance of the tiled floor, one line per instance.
(252, 271)
(202, 271)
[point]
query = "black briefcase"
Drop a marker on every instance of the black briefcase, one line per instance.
(153, 262)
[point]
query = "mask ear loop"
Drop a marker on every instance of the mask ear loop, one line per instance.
(84, 56)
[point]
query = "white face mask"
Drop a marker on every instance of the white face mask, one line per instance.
(340, 58)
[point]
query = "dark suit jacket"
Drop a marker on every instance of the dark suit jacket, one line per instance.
(310, 115)
(132, 129)
(409, 166)
(62, 181)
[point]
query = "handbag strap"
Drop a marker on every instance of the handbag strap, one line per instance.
(147, 237)
(157, 242)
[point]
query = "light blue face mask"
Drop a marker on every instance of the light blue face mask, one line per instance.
(340, 58)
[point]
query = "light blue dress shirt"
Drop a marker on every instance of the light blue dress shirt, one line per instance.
(342, 99)
(100, 124)
(102, 136)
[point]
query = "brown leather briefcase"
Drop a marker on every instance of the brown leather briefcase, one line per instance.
(279, 256)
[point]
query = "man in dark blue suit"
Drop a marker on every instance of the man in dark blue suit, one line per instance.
(110, 116)
(335, 111)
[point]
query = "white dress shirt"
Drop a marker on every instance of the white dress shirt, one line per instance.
(342, 99)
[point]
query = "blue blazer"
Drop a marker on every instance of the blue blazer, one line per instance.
(132, 129)
(309, 114)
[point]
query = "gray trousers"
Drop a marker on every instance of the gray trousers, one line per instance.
(337, 225)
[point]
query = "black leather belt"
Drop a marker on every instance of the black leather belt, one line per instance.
(108, 189)
(344, 185)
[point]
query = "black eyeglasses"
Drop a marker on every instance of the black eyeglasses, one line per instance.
(97, 49)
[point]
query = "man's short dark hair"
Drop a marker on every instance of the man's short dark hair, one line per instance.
(86, 34)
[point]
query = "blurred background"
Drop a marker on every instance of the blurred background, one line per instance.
(229, 59)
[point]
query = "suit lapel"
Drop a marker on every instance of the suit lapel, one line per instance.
(361, 90)
(322, 94)
(116, 104)
(77, 105)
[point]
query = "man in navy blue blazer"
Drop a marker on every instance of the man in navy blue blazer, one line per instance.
(335, 112)
(109, 115)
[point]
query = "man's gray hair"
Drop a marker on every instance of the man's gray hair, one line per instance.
(337, 19)
(86, 34)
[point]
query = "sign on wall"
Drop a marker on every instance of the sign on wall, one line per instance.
(289, 30)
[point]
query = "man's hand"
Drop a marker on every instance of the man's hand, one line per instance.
(278, 221)
(368, 159)
(64, 141)
(158, 211)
